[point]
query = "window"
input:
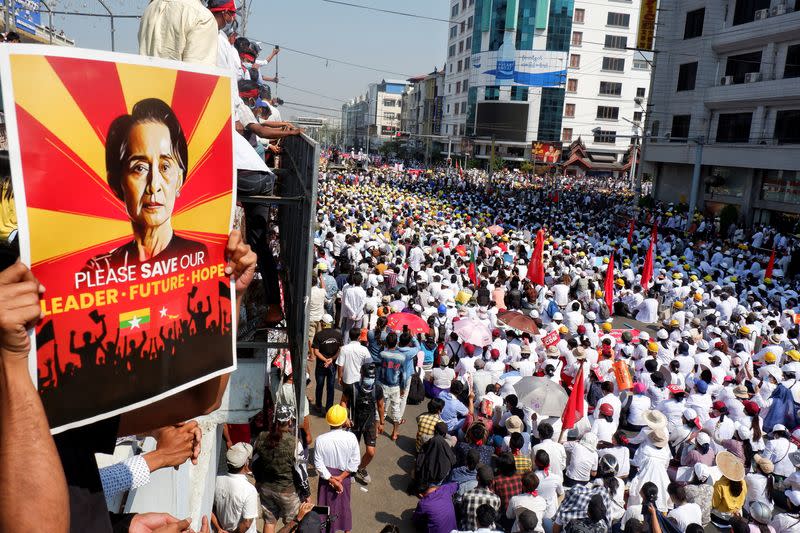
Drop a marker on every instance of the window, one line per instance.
(566, 134)
(780, 186)
(740, 65)
(451, 51)
(572, 85)
(569, 110)
(454, 11)
(459, 68)
(463, 5)
(623, 20)
(491, 93)
(388, 116)
(637, 116)
(388, 103)
(618, 42)
(792, 67)
(453, 31)
(464, 86)
(577, 38)
(786, 122)
(574, 60)
(463, 27)
(460, 47)
(610, 88)
(607, 112)
(680, 128)
(734, 127)
(578, 16)
(617, 64)
(694, 23)
(458, 87)
(468, 43)
(519, 94)
(640, 64)
(469, 23)
(687, 75)
(605, 136)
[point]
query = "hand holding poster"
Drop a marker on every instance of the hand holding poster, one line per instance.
(551, 339)
(123, 175)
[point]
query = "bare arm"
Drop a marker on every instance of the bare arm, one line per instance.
(244, 525)
(37, 494)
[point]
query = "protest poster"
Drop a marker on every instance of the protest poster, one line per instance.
(616, 334)
(122, 168)
(551, 339)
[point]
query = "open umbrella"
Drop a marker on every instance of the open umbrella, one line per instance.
(415, 323)
(517, 320)
(473, 332)
(495, 230)
(543, 395)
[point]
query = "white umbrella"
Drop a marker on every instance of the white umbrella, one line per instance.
(543, 395)
(473, 332)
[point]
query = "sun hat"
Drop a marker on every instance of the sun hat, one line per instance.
(514, 424)
(760, 512)
(655, 419)
(659, 437)
(740, 391)
(764, 464)
(730, 466)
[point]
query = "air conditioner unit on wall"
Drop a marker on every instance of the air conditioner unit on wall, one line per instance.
(752, 77)
(726, 80)
(761, 14)
(779, 9)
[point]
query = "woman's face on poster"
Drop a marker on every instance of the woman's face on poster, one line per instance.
(152, 176)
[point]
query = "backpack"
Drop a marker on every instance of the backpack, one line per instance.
(364, 407)
(416, 390)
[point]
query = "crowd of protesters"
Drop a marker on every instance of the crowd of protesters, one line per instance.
(673, 353)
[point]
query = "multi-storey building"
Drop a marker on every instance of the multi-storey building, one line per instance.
(726, 98)
(607, 81)
(457, 68)
(370, 120)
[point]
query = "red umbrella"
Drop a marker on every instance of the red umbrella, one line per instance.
(518, 321)
(415, 323)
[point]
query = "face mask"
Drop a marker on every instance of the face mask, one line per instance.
(248, 66)
(230, 27)
(368, 382)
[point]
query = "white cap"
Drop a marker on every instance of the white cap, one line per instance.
(702, 438)
(662, 334)
(700, 470)
(558, 316)
(794, 496)
(238, 454)
(327, 319)
(689, 414)
(591, 316)
(644, 336)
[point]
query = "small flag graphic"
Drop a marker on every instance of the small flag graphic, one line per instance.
(138, 319)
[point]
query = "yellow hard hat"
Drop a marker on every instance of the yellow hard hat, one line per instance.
(744, 330)
(678, 305)
(652, 347)
(563, 329)
(693, 277)
(768, 281)
(605, 260)
(598, 294)
(606, 326)
(794, 355)
(698, 297)
(770, 357)
(674, 323)
(677, 275)
(734, 278)
(337, 416)
(687, 267)
(620, 282)
(670, 264)
(707, 277)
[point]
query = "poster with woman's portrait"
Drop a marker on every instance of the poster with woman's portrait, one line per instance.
(123, 176)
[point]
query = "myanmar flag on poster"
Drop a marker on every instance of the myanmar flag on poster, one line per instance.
(139, 319)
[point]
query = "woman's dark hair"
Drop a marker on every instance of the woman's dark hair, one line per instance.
(545, 431)
(703, 448)
(435, 405)
(505, 464)
(516, 441)
(596, 509)
(530, 482)
(694, 528)
(649, 492)
(147, 110)
(735, 487)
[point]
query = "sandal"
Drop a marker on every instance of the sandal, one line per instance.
(394, 437)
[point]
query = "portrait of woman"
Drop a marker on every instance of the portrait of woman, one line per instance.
(146, 167)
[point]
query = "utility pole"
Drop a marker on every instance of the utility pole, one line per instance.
(634, 156)
(7, 14)
(698, 163)
(491, 164)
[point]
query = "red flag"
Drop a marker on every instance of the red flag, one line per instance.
(536, 266)
(647, 269)
(574, 408)
(608, 288)
(770, 266)
(472, 271)
(630, 232)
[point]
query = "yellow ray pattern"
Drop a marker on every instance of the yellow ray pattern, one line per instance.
(217, 210)
(139, 82)
(60, 233)
(216, 113)
(38, 90)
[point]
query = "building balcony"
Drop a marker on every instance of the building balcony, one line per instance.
(776, 24)
(756, 89)
(746, 155)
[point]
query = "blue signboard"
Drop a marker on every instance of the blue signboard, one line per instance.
(26, 14)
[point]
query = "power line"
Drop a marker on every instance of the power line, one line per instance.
(389, 11)
(312, 92)
(312, 106)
